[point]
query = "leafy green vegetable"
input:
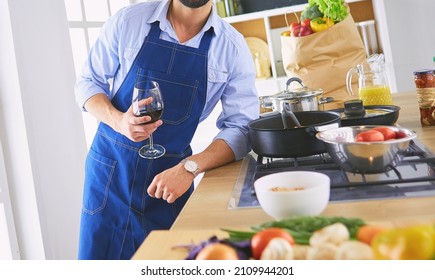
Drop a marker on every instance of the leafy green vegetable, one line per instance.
(301, 228)
(311, 12)
(333, 9)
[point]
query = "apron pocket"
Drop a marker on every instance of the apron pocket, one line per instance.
(178, 95)
(99, 172)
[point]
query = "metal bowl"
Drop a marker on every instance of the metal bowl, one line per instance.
(365, 157)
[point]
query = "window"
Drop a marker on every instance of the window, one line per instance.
(8, 239)
(86, 17)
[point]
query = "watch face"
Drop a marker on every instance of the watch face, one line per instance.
(191, 166)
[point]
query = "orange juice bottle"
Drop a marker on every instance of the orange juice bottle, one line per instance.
(373, 87)
(376, 95)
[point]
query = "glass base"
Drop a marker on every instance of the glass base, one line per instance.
(149, 152)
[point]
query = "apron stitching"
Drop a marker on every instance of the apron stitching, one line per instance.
(188, 51)
(117, 142)
(106, 189)
(132, 148)
(125, 233)
(171, 61)
(132, 186)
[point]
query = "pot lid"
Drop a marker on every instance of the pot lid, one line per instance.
(297, 93)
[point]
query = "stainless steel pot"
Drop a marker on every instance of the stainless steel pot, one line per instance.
(297, 100)
(365, 157)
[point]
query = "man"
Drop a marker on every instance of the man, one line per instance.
(198, 60)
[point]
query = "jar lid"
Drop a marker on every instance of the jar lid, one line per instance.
(424, 71)
(297, 93)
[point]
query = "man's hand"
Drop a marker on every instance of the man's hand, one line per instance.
(136, 128)
(171, 183)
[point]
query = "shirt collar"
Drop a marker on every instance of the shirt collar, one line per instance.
(162, 10)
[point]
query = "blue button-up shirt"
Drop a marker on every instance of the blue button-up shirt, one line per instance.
(231, 71)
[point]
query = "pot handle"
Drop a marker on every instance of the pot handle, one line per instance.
(293, 79)
(266, 102)
(323, 100)
(326, 127)
(313, 130)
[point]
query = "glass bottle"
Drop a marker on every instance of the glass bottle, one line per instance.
(373, 86)
(424, 80)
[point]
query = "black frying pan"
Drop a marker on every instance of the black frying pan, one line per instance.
(373, 115)
(269, 138)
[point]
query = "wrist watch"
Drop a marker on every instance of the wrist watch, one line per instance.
(191, 166)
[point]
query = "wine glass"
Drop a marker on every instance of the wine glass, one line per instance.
(144, 89)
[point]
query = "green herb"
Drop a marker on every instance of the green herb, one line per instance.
(333, 9)
(301, 228)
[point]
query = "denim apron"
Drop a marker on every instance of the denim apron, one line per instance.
(117, 212)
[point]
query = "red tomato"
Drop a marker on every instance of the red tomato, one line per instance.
(387, 132)
(369, 136)
(260, 240)
(400, 134)
(306, 22)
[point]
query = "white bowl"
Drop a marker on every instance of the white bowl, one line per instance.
(294, 193)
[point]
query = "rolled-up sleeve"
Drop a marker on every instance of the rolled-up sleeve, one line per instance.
(240, 104)
(101, 63)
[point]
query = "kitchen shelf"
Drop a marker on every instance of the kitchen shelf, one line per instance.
(269, 24)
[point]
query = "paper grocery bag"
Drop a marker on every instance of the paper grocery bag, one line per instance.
(323, 59)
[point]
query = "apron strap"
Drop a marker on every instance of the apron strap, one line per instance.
(155, 31)
(206, 39)
(154, 34)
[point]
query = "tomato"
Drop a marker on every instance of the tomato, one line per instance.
(386, 131)
(369, 136)
(400, 134)
(260, 240)
(306, 22)
(366, 233)
(217, 251)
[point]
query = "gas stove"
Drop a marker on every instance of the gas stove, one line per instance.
(414, 176)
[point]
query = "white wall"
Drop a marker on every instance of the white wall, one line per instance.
(41, 127)
(407, 36)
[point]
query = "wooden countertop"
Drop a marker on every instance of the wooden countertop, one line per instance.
(207, 209)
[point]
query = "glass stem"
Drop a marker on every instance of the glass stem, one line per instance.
(151, 142)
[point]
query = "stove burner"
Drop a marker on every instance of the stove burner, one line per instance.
(413, 176)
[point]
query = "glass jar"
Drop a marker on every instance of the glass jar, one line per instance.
(425, 85)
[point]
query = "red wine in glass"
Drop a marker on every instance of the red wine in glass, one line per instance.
(143, 89)
(155, 115)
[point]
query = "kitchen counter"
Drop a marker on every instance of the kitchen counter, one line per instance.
(207, 209)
